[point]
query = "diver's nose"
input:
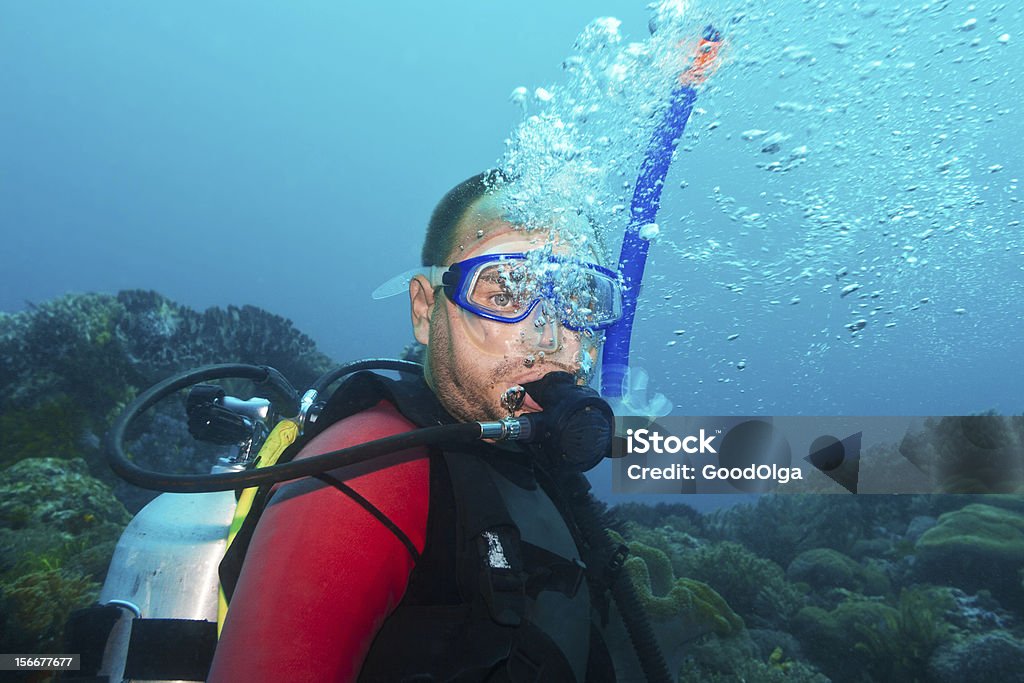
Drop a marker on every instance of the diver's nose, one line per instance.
(546, 327)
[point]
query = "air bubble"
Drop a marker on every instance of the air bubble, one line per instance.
(519, 96)
(649, 231)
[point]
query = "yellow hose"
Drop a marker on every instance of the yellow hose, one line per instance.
(282, 436)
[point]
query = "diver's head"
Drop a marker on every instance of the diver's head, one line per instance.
(503, 305)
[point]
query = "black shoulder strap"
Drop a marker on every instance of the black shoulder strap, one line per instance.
(357, 393)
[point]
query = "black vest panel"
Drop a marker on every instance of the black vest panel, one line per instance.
(500, 591)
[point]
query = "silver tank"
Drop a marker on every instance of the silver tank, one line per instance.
(165, 566)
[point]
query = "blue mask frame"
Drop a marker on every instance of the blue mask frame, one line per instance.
(457, 279)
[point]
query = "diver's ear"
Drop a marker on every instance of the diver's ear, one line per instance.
(421, 302)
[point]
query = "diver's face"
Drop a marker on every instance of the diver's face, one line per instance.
(471, 360)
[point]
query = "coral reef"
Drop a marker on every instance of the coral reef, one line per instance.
(70, 365)
(35, 606)
(679, 516)
(58, 528)
(54, 428)
(993, 656)
(779, 528)
(896, 614)
(164, 337)
(979, 613)
(681, 609)
(978, 546)
(57, 494)
(676, 544)
(67, 368)
(824, 568)
(753, 586)
(918, 525)
(694, 605)
(889, 643)
(875, 588)
(739, 660)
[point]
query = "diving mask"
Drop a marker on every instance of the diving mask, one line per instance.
(508, 287)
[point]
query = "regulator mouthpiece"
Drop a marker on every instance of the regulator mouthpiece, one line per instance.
(576, 428)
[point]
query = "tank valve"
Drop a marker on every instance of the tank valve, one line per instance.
(217, 418)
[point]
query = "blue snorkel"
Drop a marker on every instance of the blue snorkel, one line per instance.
(644, 209)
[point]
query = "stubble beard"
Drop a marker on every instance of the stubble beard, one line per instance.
(455, 384)
(471, 393)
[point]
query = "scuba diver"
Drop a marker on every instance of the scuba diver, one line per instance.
(433, 528)
(460, 562)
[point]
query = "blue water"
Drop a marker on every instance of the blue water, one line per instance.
(288, 157)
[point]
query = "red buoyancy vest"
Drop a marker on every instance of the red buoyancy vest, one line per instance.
(322, 574)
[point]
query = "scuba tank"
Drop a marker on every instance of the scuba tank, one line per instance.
(161, 591)
(159, 611)
(164, 571)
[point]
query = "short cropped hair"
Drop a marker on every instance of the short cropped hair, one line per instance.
(441, 231)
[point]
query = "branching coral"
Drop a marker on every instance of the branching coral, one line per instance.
(58, 527)
(753, 586)
(893, 644)
(37, 604)
(733, 660)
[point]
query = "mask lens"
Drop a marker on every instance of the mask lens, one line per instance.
(581, 295)
(587, 298)
(505, 289)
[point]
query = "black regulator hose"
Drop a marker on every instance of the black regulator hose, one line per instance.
(638, 626)
(229, 481)
(324, 382)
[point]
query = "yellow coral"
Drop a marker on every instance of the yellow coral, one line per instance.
(691, 600)
(778, 661)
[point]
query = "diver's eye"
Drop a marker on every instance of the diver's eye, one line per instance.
(501, 300)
